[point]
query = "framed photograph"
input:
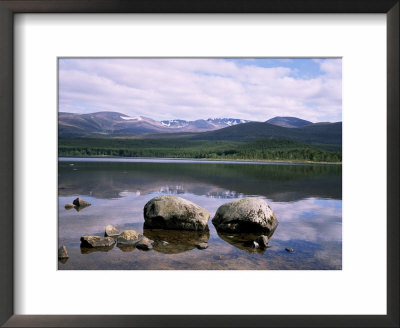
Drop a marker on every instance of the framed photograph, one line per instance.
(186, 163)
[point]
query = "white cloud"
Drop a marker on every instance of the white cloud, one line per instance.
(198, 88)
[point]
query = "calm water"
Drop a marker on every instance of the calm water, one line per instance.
(307, 200)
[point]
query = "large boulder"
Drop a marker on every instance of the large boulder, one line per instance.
(96, 241)
(171, 212)
(245, 215)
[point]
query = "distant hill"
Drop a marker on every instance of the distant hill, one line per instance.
(314, 134)
(104, 124)
(288, 122)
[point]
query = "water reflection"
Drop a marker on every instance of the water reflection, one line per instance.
(277, 182)
(86, 250)
(243, 241)
(175, 241)
(305, 199)
(63, 261)
(126, 248)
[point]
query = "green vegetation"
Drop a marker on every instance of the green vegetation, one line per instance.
(261, 149)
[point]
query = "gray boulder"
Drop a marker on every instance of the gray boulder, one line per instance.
(171, 212)
(80, 202)
(247, 214)
(62, 252)
(111, 231)
(96, 241)
(128, 238)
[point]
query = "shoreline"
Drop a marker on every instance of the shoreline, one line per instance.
(183, 160)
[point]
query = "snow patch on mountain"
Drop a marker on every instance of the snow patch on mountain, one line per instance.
(127, 118)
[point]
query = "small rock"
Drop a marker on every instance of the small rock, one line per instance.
(69, 206)
(262, 241)
(111, 231)
(164, 243)
(254, 244)
(62, 252)
(144, 244)
(80, 202)
(128, 237)
(96, 241)
(202, 245)
(290, 250)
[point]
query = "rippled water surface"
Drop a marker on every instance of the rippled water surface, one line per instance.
(307, 200)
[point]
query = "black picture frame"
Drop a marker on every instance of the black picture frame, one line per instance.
(10, 7)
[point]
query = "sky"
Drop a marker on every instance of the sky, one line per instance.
(254, 89)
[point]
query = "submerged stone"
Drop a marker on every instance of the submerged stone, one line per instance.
(175, 241)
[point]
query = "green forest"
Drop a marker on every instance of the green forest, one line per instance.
(261, 149)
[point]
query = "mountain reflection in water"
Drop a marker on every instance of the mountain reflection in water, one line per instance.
(305, 198)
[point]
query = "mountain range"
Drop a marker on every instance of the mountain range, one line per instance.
(109, 124)
(117, 124)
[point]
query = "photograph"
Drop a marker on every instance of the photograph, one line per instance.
(203, 163)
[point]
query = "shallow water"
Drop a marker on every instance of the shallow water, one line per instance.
(307, 200)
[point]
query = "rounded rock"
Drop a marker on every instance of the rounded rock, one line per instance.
(128, 237)
(111, 231)
(202, 246)
(69, 206)
(171, 212)
(245, 215)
